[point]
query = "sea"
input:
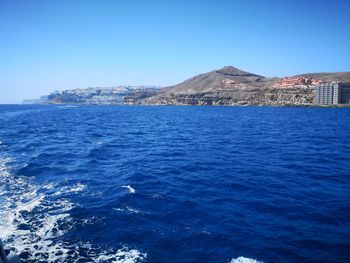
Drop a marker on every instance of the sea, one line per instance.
(175, 183)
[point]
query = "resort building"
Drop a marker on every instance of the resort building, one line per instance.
(343, 93)
(333, 93)
(296, 81)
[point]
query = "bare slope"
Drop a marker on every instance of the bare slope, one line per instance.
(217, 80)
(232, 86)
(329, 76)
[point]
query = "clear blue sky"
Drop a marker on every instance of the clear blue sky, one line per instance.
(48, 45)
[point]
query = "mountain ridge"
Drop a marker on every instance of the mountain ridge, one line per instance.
(214, 79)
(232, 86)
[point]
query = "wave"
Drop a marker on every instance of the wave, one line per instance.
(33, 223)
(131, 190)
(244, 260)
(129, 210)
(29, 221)
(124, 255)
(76, 188)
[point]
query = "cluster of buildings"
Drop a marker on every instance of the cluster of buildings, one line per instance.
(103, 95)
(296, 81)
(327, 93)
(321, 92)
(89, 95)
(332, 93)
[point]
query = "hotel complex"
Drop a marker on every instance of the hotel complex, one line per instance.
(333, 93)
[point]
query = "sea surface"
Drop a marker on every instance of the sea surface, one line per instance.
(175, 184)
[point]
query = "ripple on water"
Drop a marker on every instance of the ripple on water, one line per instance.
(202, 184)
(34, 223)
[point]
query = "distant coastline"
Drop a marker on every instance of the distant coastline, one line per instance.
(228, 86)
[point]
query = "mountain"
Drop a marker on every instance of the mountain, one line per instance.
(232, 86)
(217, 80)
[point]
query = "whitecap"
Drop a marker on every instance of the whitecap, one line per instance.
(76, 188)
(129, 210)
(244, 260)
(123, 255)
(132, 210)
(131, 190)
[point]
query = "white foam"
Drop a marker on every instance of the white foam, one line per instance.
(129, 256)
(31, 205)
(76, 188)
(131, 190)
(123, 255)
(91, 220)
(31, 222)
(128, 209)
(244, 260)
(49, 186)
(132, 210)
(50, 223)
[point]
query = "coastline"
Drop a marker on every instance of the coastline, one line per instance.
(199, 105)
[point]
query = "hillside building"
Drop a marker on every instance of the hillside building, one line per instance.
(296, 81)
(333, 93)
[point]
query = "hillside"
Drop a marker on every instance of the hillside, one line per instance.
(217, 80)
(328, 76)
(232, 86)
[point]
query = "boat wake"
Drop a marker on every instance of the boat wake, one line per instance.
(33, 223)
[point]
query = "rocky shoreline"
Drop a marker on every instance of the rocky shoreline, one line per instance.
(228, 86)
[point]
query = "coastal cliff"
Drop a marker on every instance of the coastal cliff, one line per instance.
(226, 86)
(232, 86)
(262, 96)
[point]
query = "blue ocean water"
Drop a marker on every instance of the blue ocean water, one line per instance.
(175, 184)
